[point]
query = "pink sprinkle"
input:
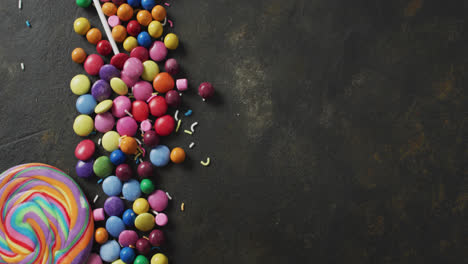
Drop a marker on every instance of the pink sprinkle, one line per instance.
(151, 98)
(170, 23)
(144, 151)
(167, 4)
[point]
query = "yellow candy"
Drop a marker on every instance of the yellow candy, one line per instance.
(130, 43)
(140, 206)
(159, 259)
(81, 26)
(171, 41)
(119, 261)
(83, 125)
(110, 141)
(118, 86)
(155, 29)
(80, 84)
(103, 106)
(150, 70)
(144, 222)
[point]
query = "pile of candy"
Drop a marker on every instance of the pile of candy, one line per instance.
(133, 119)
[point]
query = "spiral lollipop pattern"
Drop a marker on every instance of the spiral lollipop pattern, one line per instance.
(44, 217)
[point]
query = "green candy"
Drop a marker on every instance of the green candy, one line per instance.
(83, 3)
(147, 186)
(102, 167)
(140, 259)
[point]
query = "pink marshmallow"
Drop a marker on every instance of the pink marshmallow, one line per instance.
(98, 214)
(182, 84)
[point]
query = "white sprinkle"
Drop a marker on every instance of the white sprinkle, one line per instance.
(128, 113)
(22, 66)
(154, 212)
(191, 145)
(165, 21)
(20, 4)
(99, 142)
(168, 196)
(176, 115)
(137, 140)
(95, 198)
(121, 197)
(192, 127)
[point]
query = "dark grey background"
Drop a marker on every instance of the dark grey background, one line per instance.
(338, 134)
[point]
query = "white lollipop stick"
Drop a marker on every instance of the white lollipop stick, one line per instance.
(97, 5)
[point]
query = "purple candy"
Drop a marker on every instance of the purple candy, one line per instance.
(156, 238)
(206, 90)
(84, 169)
(145, 169)
(128, 238)
(158, 51)
(121, 103)
(172, 67)
(142, 90)
(173, 98)
(124, 172)
(133, 68)
(127, 126)
(114, 206)
(108, 71)
(101, 90)
(104, 122)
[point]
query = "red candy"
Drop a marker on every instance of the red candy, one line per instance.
(119, 60)
(85, 150)
(140, 53)
(140, 111)
(133, 28)
(104, 47)
(164, 125)
(93, 64)
(158, 106)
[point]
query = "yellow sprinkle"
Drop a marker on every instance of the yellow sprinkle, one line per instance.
(188, 132)
(178, 125)
(182, 207)
(205, 163)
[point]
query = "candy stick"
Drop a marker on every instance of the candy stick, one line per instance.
(97, 5)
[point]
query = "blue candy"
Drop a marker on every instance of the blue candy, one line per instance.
(144, 39)
(117, 157)
(129, 217)
(160, 156)
(110, 251)
(85, 104)
(112, 186)
(148, 4)
(131, 190)
(127, 255)
(115, 226)
(134, 3)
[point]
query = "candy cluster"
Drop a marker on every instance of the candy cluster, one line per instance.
(129, 105)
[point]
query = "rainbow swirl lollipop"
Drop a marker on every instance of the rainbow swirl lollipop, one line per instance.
(44, 217)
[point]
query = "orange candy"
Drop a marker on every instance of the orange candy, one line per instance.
(119, 33)
(144, 17)
(94, 35)
(177, 155)
(128, 145)
(125, 12)
(163, 82)
(109, 9)
(159, 13)
(78, 55)
(101, 236)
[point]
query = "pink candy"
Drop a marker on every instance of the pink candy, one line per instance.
(158, 51)
(146, 125)
(142, 90)
(158, 200)
(133, 68)
(98, 214)
(121, 103)
(94, 259)
(127, 126)
(113, 21)
(128, 238)
(161, 219)
(104, 122)
(182, 85)
(129, 81)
